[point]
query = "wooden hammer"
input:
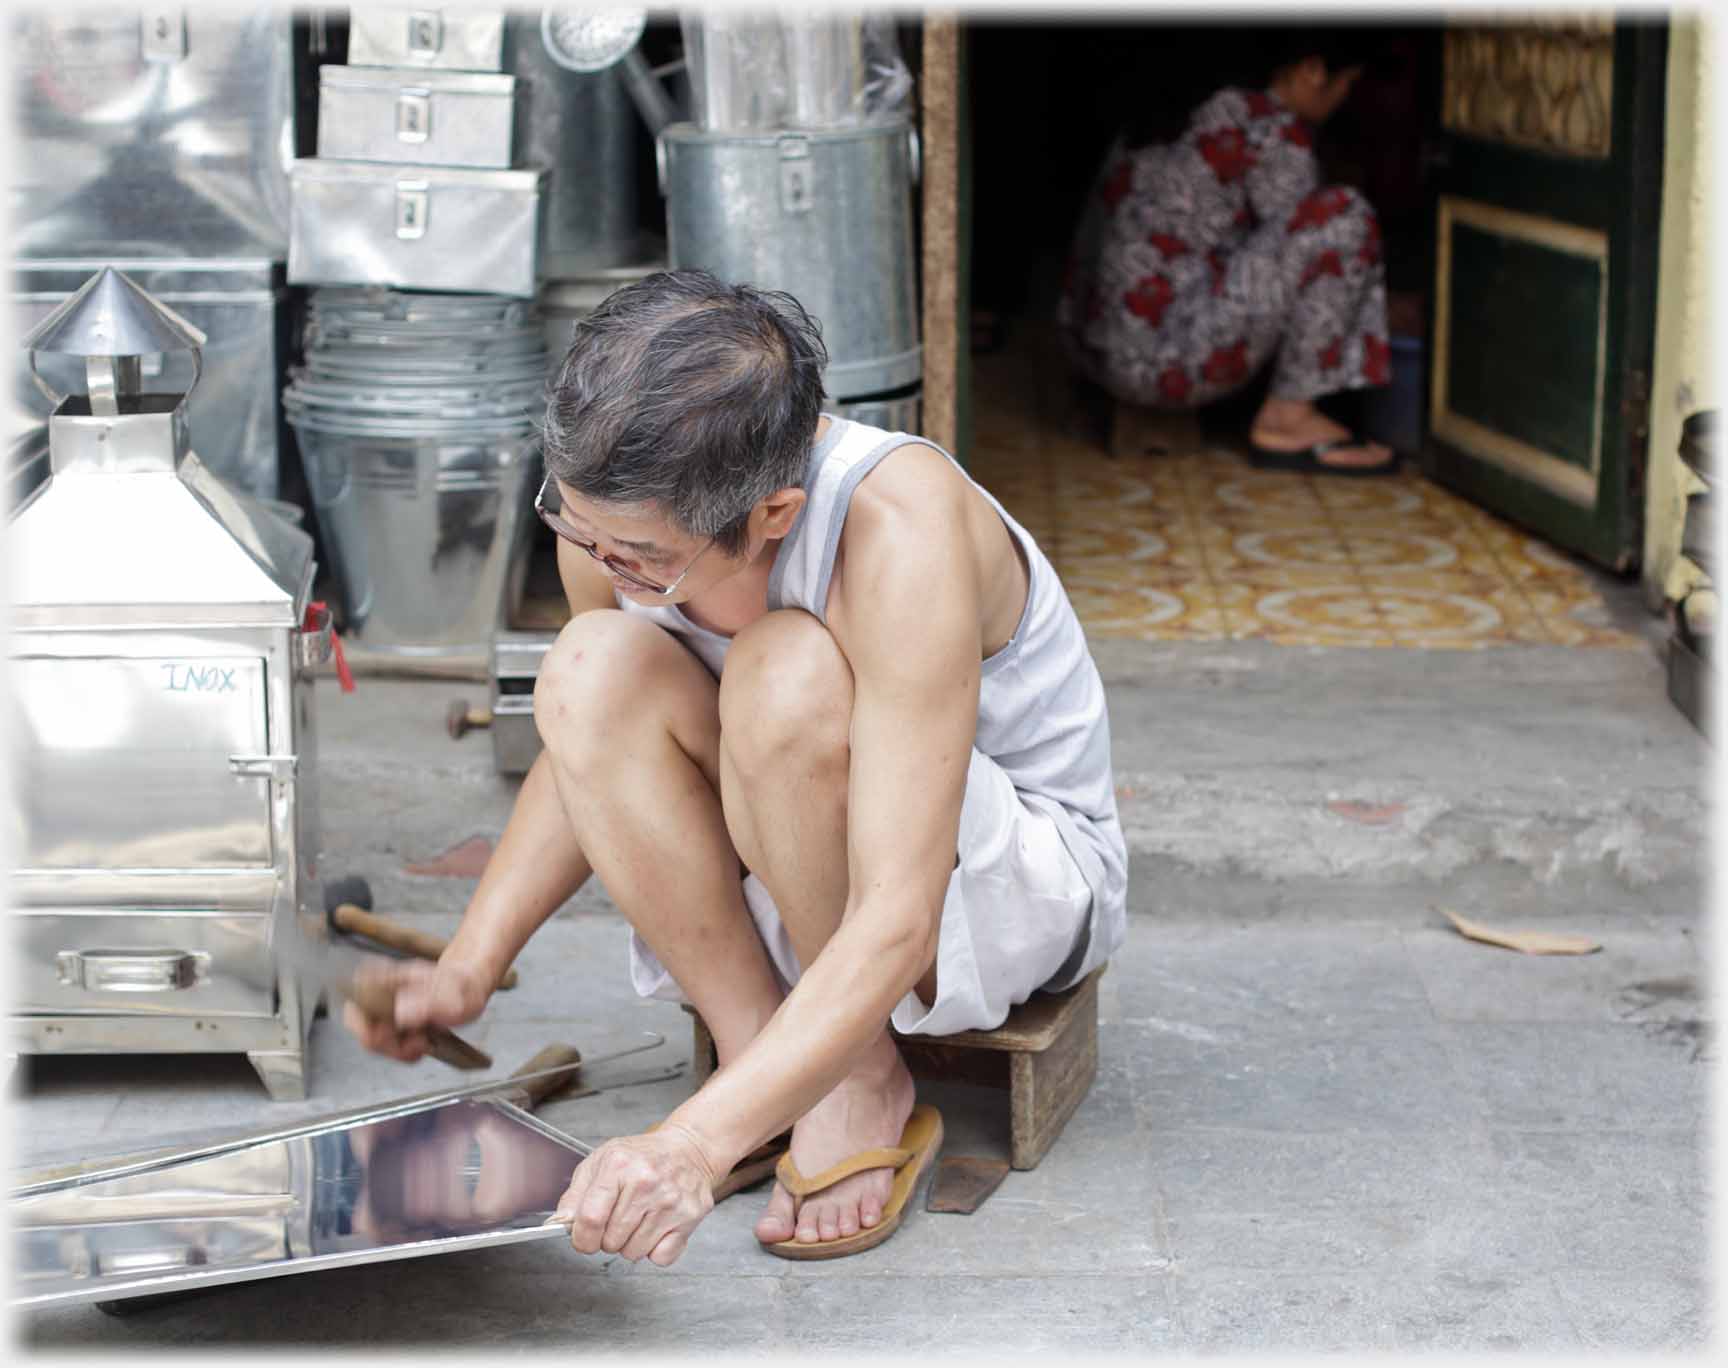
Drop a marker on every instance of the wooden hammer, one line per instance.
(348, 905)
(460, 718)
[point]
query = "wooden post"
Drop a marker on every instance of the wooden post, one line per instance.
(946, 282)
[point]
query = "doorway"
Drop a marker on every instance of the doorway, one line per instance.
(1189, 541)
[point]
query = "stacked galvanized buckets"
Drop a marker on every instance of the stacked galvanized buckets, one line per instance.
(416, 415)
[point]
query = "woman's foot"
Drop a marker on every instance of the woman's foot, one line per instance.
(1296, 425)
(866, 1111)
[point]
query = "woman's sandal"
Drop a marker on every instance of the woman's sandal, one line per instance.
(1307, 461)
(919, 1143)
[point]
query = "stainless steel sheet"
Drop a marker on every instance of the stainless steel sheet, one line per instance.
(444, 1176)
(423, 118)
(128, 761)
(128, 147)
(425, 228)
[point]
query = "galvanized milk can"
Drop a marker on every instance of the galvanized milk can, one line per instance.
(825, 215)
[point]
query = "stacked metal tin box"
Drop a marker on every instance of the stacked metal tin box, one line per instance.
(425, 356)
(414, 184)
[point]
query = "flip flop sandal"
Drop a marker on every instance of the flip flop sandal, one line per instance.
(919, 1143)
(1307, 461)
(753, 1168)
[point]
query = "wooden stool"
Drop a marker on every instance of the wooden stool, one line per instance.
(1137, 431)
(1045, 1055)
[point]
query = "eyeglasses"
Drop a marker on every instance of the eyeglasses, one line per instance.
(550, 517)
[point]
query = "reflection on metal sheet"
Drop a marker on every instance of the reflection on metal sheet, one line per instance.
(446, 1176)
(129, 762)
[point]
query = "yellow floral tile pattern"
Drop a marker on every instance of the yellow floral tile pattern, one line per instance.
(1200, 546)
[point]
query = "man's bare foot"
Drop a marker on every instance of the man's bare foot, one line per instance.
(1296, 425)
(867, 1111)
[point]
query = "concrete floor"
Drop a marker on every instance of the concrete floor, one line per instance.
(1324, 1121)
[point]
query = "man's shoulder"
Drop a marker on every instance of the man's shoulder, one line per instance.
(914, 485)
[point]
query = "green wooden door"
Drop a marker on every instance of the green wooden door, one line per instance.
(1544, 275)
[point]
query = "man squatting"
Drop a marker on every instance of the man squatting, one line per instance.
(827, 729)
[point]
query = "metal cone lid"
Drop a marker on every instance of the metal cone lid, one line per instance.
(112, 315)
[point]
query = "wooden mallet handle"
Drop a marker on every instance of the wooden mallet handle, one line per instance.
(531, 1095)
(378, 1001)
(421, 944)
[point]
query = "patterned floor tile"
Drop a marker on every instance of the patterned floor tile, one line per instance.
(1170, 611)
(1341, 613)
(1453, 618)
(1199, 544)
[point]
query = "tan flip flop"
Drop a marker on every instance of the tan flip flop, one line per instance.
(919, 1143)
(752, 1168)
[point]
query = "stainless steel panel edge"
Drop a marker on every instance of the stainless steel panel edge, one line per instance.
(334, 1198)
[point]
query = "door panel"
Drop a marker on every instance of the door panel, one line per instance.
(1544, 274)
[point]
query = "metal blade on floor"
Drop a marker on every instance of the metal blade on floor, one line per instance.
(963, 1182)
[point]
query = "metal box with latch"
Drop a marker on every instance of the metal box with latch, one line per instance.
(453, 38)
(417, 228)
(163, 649)
(425, 118)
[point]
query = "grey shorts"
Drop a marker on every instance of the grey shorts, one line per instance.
(1017, 912)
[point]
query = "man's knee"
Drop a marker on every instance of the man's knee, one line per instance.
(597, 674)
(786, 695)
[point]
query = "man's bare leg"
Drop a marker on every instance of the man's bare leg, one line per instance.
(631, 721)
(785, 720)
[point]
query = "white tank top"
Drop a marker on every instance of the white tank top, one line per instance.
(1041, 714)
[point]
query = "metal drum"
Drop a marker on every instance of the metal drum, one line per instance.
(565, 303)
(890, 412)
(583, 126)
(825, 216)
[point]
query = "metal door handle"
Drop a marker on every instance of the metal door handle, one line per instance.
(132, 971)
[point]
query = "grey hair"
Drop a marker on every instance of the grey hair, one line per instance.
(690, 394)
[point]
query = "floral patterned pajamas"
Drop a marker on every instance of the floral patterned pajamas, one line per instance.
(1197, 262)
